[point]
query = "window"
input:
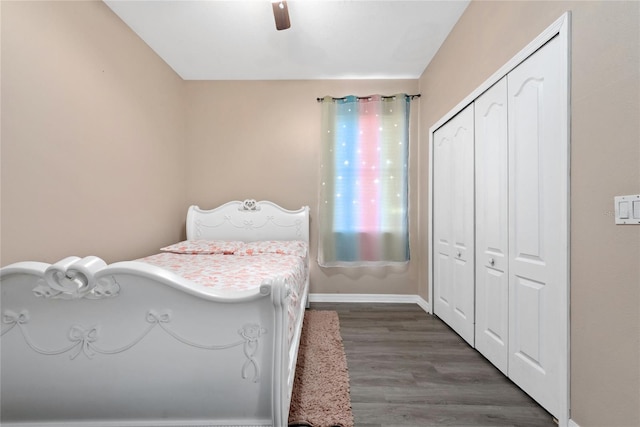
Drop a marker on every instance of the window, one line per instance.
(364, 181)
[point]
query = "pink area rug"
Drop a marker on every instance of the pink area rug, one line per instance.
(321, 388)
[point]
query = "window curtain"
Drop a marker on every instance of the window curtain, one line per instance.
(363, 206)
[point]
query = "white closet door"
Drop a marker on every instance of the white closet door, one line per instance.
(492, 242)
(538, 226)
(453, 224)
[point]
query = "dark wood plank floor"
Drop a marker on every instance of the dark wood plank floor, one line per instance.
(408, 368)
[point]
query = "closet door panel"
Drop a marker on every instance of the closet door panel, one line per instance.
(528, 309)
(463, 227)
(492, 281)
(442, 229)
(538, 227)
(454, 224)
(443, 288)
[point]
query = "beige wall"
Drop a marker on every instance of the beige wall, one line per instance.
(92, 136)
(261, 139)
(605, 161)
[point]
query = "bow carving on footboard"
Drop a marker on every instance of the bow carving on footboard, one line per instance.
(85, 340)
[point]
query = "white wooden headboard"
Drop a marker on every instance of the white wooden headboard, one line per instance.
(247, 221)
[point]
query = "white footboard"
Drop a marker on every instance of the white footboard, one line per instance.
(130, 344)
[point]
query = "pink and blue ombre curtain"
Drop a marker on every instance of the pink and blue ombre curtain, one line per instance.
(364, 181)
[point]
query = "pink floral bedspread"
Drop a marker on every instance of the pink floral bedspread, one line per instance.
(232, 272)
(238, 273)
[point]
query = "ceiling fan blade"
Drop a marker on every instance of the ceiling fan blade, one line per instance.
(281, 14)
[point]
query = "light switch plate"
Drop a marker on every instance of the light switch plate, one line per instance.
(627, 209)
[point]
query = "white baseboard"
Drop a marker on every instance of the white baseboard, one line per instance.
(373, 298)
(572, 424)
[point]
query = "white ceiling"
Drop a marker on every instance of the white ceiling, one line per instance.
(328, 39)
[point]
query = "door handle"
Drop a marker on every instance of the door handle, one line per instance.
(458, 254)
(492, 261)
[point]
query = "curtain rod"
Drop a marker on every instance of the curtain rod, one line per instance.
(412, 97)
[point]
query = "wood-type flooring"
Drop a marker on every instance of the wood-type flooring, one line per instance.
(408, 368)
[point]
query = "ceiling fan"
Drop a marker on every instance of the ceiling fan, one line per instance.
(281, 14)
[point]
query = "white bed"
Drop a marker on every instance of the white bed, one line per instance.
(134, 344)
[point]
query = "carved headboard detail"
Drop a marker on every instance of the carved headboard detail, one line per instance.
(248, 220)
